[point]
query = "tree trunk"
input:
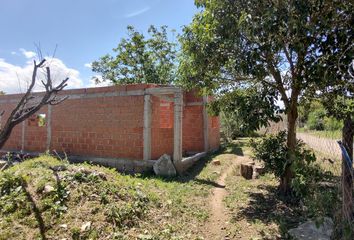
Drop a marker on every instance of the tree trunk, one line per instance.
(4, 136)
(347, 177)
(285, 180)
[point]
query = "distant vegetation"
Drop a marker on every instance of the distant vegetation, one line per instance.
(140, 59)
(313, 118)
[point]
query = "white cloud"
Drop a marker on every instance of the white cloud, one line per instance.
(137, 12)
(88, 65)
(15, 79)
(27, 54)
(13, 53)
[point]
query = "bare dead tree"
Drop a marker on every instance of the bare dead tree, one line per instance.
(31, 102)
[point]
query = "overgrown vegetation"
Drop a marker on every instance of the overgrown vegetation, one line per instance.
(282, 48)
(315, 117)
(243, 111)
(314, 184)
(46, 197)
(272, 150)
(257, 206)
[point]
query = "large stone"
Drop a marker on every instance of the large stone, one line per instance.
(3, 164)
(257, 171)
(310, 231)
(164, 167)
(48, 189)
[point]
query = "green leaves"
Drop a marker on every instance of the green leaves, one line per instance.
(139, 59)
(277, 44)
(273, 151)
(251, 108)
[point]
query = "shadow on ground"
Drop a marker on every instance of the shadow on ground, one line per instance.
(192, 173)
(266, 206)
(235, 148)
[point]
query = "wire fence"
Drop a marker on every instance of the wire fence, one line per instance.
(332, 157)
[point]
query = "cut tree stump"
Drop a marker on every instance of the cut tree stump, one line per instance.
(247, 170)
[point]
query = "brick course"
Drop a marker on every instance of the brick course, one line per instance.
(92, 124)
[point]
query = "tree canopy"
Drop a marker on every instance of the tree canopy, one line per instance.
(245, 110)
(276, 45)
(138, 59)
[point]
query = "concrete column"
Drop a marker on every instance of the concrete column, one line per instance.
(23, 137)
(205, 124)
(147, 127)
(177, 130)
(49, 127)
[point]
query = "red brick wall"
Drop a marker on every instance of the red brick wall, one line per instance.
(35, 135)
(105, 127)
(161, 128)
(112, 126)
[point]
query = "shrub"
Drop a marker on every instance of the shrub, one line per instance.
(315, 119)
(272, 150)
(232, 126)
(332, 124)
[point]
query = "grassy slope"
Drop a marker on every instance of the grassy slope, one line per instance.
(114, 205)
(139, 207)
(36, 201)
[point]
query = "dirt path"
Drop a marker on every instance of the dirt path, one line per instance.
(217, 225)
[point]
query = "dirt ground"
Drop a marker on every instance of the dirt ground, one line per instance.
(218, 223)
(245, 209)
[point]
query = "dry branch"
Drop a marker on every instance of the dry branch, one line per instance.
(30, 103)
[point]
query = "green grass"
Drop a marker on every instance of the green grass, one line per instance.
(37, 202)
(259, 212)
(252, 203)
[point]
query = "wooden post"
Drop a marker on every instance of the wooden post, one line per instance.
(205, 124)
(147, 127)
(347, 172)
(177, 131)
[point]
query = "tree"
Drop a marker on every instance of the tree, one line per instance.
(139, 59)
(337, 89)
(30, 103)
(272, 44)
(244, 111)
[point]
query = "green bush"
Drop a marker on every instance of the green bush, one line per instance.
(315, 119)
(232, 126)
(332, 124)
(272, 150)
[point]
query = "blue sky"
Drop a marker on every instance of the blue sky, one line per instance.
(84, 30)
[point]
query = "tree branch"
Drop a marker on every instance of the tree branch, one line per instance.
(290, 60)
(27, 105)
(278, 80)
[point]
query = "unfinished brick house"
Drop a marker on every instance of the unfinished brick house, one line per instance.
(127, 126)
